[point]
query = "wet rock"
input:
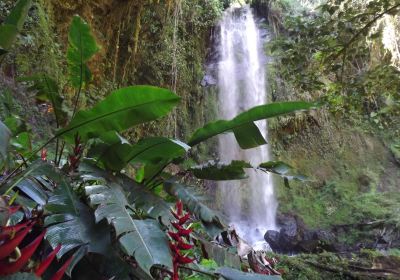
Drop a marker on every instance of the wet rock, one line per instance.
(272, 237)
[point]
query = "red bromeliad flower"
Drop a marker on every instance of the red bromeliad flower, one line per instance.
(179, 239)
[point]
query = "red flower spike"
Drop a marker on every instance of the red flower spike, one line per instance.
(174, 236)
(184, 246)
(45, 264)
(184, 219)
(43, 154)
(185, 260)
(176, 225)
(185, 232)
(174, 248)
(9, 246)
(6, 232)
(59, 274)
(26, 254)
(179, 208)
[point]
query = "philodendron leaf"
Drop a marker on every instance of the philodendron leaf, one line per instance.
(195, 205)
(141, 239)
(5, 136)
(242, 125)
(234, 274)
(13, 24)
(121, 110)
(282, 169)
(82, 46)
(221, 171)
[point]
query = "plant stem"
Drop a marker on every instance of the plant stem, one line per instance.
(213, 275)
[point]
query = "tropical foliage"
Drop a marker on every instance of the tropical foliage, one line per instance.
(82, 206)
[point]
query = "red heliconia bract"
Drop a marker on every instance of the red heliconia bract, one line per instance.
(9, 246)
(26, 253)
(179, 239)
(59, 274)
(45, 263)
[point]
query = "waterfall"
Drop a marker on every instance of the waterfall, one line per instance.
(249, 204)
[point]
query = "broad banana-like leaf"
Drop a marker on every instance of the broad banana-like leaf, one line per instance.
(221, 255)
(234, 274)
(111, 150)
(141, 239)
(82, 46)
(72, 224)
(195, 205)
(221, 171)
(47, 90)
(13, 24)
(246, 133)
(5, 136)
(33, 183)
(282, 169)
(115, 152)
(121, 110)
(152, 205)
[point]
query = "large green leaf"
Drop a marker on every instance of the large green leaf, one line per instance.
(141, 239)
(121, 110)
(242, 125)
(5, 136)
(221, 171)
(152, 205)
(234, 274)
(13, 24)
(195, 205)
(282, 169)
(115, 152)
(111, 150)
(72, 224)
(248, 136)
(82, 46)
(47, 90)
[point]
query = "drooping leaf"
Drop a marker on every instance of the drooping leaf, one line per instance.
(13, 24)
(47, 90)
(221, 171)
(246, 134)
(121, 110)
(141, 239)
(5, 136)
(22, 143)
(234, 274)
(82, 46)
(282, 169)
(195, 204)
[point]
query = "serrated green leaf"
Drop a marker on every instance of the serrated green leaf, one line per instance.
(121, 110)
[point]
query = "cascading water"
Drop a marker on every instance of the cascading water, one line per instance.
(249, 204)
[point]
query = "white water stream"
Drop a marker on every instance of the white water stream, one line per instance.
(249, 204)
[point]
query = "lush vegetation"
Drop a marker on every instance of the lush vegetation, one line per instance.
(99, 203)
